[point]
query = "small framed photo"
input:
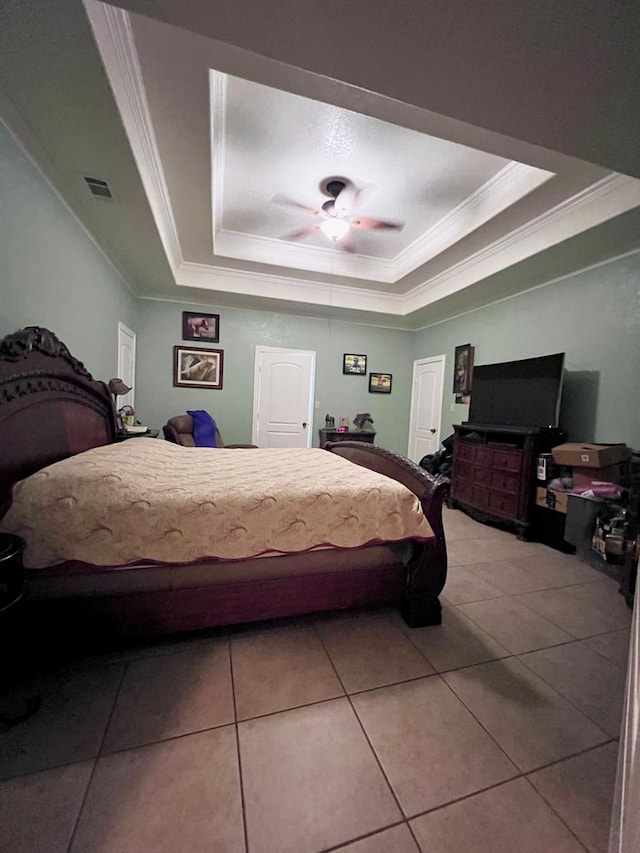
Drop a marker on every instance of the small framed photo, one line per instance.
(380, 383)
(197, 368)
(200, 327)
(354, 364)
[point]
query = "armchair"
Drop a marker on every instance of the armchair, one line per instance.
(179, 430)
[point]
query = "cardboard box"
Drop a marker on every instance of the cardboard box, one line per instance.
(589, 455)
(584, 476)
(551, 499)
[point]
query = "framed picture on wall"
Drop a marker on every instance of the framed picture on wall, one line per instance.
(200, 327)
(197, 368)
(380, 383)
(462, 371)
(354, 364)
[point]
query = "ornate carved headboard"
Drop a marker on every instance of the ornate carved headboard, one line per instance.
(50, 406)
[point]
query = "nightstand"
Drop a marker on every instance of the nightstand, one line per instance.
(123, 436)
(349, 435)
(11, 593)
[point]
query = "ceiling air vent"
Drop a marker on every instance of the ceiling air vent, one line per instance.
(98, 187)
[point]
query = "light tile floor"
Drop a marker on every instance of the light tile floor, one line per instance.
(493, 733)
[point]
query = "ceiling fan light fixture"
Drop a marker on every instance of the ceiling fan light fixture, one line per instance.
(334, 228)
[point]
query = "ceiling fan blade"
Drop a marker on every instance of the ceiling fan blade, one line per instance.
(367, 224)
(300, 233)
(289, 202)
(346, 200)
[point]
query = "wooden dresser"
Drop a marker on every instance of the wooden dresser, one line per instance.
(349, 435)
(493, 472)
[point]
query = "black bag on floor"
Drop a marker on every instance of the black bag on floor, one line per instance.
(440, 462)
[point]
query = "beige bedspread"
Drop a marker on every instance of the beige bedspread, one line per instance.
(146, 499)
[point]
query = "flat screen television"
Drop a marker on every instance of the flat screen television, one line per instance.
(523, 393)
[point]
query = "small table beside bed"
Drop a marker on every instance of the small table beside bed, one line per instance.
(149, 537)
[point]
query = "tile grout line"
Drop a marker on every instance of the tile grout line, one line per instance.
(544, 766)
(237, 733)
(97, 757)
(566, 630)
(560, 693)
(343, 844)
(345, 695)
(520, 775)
(557, 814)
(535, 613)
(371, 747)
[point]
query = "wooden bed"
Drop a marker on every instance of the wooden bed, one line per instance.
(51, 408)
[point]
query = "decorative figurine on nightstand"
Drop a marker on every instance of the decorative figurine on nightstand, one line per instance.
(128, 416)
(362, 421)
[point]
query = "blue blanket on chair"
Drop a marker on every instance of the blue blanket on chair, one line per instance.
(204, 428)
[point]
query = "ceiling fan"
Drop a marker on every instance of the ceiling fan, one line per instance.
(337, 214)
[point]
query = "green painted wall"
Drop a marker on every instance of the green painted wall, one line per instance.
(51, 273)
(592, 316)
(387, 350)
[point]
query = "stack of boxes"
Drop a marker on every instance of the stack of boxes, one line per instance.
(599, 473)
(589, 463)
(578, 466)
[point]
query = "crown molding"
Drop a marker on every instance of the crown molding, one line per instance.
(329, 260)
(251, 283)
(506, 187)
(564, 277)
(610, 196)
(512, 183)
(112, 32)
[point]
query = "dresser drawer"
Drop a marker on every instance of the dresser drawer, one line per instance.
(502, 504)
(462, 468)
(461, 490)
(504, 481)
(482, 456)
(507, 460)
(481, 476)
(464, 450)
(479, 496)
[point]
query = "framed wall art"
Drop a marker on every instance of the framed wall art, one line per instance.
(197, 368)
(200, 327)
(380, 383)
(462, 372)
(354, 364)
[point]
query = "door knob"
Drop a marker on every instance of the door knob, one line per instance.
(432, 431)
(304, 424)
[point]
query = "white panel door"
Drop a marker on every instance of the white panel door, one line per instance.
(283, 397)
(426, 407)
(126, 362)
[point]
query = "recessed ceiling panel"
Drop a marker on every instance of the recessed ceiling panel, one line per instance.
(271, 146)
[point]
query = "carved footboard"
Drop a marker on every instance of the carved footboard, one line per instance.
(427, 570)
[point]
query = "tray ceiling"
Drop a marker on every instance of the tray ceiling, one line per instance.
(269, 145)
(204, 134)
